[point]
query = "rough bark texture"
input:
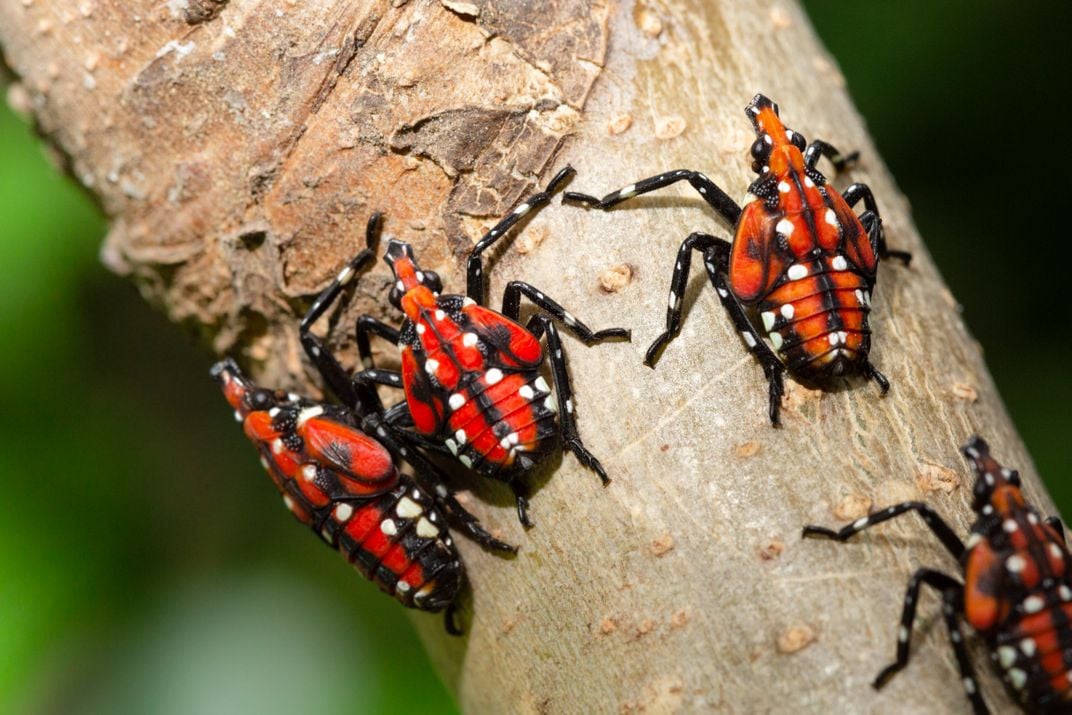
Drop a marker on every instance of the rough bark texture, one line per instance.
(238, 148)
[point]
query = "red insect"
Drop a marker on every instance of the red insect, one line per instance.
(472, 375)
(800, 258)
(1017, 590)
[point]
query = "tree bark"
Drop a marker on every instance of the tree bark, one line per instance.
(238, 149)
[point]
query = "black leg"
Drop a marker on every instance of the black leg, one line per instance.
(367, 325)
(675, 302)
(942, 530)
(716, 261)
(820, 148)
(567, 424)
(522, 499)
(873, 222)
(334, 375)
(450, 621)
(474, 267)
(511, 308)
(872, 372)
(726, 207)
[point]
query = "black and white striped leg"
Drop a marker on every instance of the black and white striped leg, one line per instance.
(511, 308)
(475, 266)
(820, 148)
(567, 423)
(678, 282)
(936, 524)
(872, 222)
(367, 325)
(717, 261)
(715, 197)
(952, 592)
(872, 372)
(390, 378)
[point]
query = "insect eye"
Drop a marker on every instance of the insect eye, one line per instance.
(1014, 478)
(798, 141)
(759, 149)
(431, 279)
(395, 297)
(260, 400)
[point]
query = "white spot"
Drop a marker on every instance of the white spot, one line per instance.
(776, 340)
(808, 182)
(237, 416)
(550, 405)
(289, 503)
(325, 534)
(973, 540)
(309, 472)
(343, 512)
(627, 191)
(402, 586)
(526, 392)
(789, 134)
(748, 339)
(426, 529)
(988, 510)
(431, 365)
(274, 412)
(1065, 593)
(1033, 604)
(451, 445)
(345, 275)
(768, 320)
(1017, 678)
(493, 376)
(408, 509)
(399, 286)
(569, 405)
(785, 227)
(902, 634)
(767, 139)
(570, 320)
(748, 198)
(834, 338)
(425, 592)
(277, 446)
(421, 329)
(867, 298)
(308, 414)
(831, 217)
(859, 296)
(264, 463)
(860, 523)
(839, 263)
(469, 339)
(1032, 518)
(969, 686)
(442, 490)
(1015, 563)
(440, 315)
(456, 401)
(464, 459)
(460, 436)
(1055, 551)
(388, 527)
(788, 311)
(797, 271)
(723, 292)
(522, 210)
(1010, 526)
(542, 385)
(467, 301)
(1027, 645)
(672, 300)
(783, 187)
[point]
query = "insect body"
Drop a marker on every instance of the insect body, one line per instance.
(344, 485)
(801, 258)
(472, 375)
(1017, 589)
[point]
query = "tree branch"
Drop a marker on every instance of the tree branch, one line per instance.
(238, 148)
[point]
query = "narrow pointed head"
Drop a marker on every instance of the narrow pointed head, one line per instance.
(241, 393)
(775, 144)
(409, 278)
(996, 487)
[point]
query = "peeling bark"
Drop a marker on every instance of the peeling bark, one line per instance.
(238, 149)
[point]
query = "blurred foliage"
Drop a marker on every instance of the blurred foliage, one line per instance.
(148, 568)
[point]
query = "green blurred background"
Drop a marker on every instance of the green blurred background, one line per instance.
(146, 566)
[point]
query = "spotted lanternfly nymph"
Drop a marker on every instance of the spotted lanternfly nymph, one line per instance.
(801, 258)
(343, 483)
(472, 375)
(1017, 590)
